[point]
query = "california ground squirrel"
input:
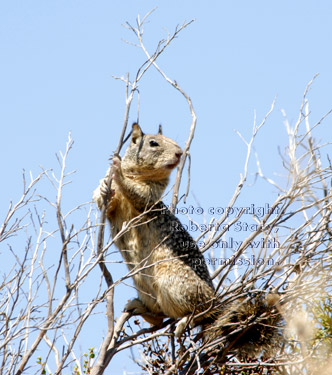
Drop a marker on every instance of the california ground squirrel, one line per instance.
(174, 280)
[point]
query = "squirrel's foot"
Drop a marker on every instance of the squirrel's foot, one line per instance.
(136, 307)
(181, 326)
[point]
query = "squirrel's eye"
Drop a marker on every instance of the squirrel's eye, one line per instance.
(154, 144)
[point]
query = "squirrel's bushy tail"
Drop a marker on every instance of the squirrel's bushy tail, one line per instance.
(251, 326)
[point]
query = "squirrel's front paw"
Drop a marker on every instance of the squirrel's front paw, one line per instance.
(104, 189)
(100, 194)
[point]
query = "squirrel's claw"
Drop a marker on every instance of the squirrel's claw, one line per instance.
(104, 189)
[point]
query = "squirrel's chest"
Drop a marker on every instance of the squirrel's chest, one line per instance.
(134, 236)
(136, 247)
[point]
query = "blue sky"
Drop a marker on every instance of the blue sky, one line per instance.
(56, 68)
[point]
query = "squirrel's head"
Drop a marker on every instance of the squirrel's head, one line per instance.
(150, 157)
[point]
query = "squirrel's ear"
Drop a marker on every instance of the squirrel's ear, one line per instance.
(160, 130)
(136, 133)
